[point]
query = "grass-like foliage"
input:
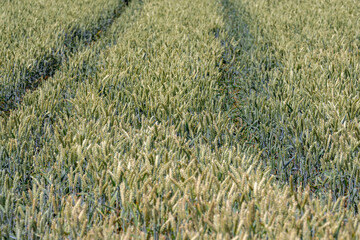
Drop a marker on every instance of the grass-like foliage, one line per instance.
(143, 136)
(294, 76)
(37, 36)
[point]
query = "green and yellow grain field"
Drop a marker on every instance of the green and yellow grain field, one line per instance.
(191, 119)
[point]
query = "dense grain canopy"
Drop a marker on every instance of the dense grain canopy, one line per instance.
(37, 36)
(297, 88)
(156, 131)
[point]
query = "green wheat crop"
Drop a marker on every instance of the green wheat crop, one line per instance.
(37, 36)
(295, 74)
(156, 131)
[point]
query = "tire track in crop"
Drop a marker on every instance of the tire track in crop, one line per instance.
(48, 65)
(230, 72)
(238, 91)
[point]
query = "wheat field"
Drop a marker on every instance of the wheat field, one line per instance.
(192, 119)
